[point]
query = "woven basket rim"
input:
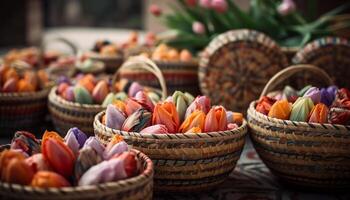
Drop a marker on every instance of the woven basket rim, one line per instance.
(240, 129)
(106, 57)
(53, 96)
(252, 112)
(25, 94)
(193, 63)
(146, 174)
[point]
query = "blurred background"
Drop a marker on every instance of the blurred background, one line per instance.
(28, 22)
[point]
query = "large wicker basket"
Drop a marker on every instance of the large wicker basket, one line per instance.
(183, 162)
(25, 110)
(138, 187)
(300, 153)
(66, 114)
(180, 76)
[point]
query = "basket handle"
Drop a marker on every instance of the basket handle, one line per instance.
(65, 41)
(141, 62)
(290, 71)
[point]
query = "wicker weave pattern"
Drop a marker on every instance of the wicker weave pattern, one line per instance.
(22, 110)
(139, 187)
(67, 114)
(305, 154)
(184, 162)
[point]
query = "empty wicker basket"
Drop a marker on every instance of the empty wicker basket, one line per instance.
(304, 154)
(184, 162)
(138, 187)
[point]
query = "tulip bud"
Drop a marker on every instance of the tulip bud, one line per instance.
(62, 87)
(264, 105)
(131, 164)
(154, 97)
(46, 179)
(301, 109)
(110, 98)
(68, 94)
(143, 99)
(132, 106)
(11, 85)
(195, 119)
(59, 156)
(314, 93)
(215, 120)
(5, 157)
(116, 146)
(328, 95)
(137, 121)
(75, 139)
(122, 96)
(286, 7)
(134, 88)
(26, 142)
(182, 101)
(114, 117)
(82, 96)
(87, 158)
(234, 117)
(52, 134)
(290, 93)
(232, 126)
(25, 86)
(194, 130)
(93, 143)
(17, 171)
(219, 6)
(199, 103)
(319, 113)
(87, 84)
(280, 109)
(155, 129)
(165, 113)
(37, 163)
(185, 56)
(198, 28)
(303, 90)
(100, 91)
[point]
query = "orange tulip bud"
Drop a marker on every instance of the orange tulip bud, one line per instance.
(10, 73)
(31, 78)
(165, 113)
(59, 156)
(319, 113)
(52, 134)
(18, 171)
(131, 106)
(5, 157)
(280, 109)
(87, 84)
(25, 86)
(216, 119)
(46, 179)
(194, 130)
(43, 77)
(195, 119)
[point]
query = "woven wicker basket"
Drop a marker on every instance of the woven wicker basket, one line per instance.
(139, 187)
(66, 114)
(111, 63)
(180, 76)
(184, 162)
(304, 154)
(25, 110)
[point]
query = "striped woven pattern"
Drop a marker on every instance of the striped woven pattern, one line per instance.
(22, 110)
(306, 154)
(184, 162)
(139, 187)
(66, 114)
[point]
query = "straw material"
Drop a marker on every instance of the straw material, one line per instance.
(304, 154)
(184, 162)
(180, 76)
(236, 65)
(139, 187)
(25, 110)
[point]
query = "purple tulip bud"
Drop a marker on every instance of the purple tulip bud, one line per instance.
(120, 147)
(332, 90)
(286, 7)
(114, 117)
(219, 6)
(314, 93)
(134, 88)
(69, 94)
(63, 79)
(94, 144)
(198, 28)
(75, 139)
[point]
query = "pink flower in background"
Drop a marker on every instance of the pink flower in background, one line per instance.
(155, 10)
(191, 2)
(286, 7)
(219, 5)
(205, 3)
(198, 27)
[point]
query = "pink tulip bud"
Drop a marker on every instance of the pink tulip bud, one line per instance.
(286, 7)
(155, 129)
(198, 27)
(155, 10)
(219, 5)
(191, 2)
(205, 3)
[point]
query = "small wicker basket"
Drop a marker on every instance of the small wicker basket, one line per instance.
(111, 63)
(138, 187)
(300, 153)
(184, 162)
(66, 114)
